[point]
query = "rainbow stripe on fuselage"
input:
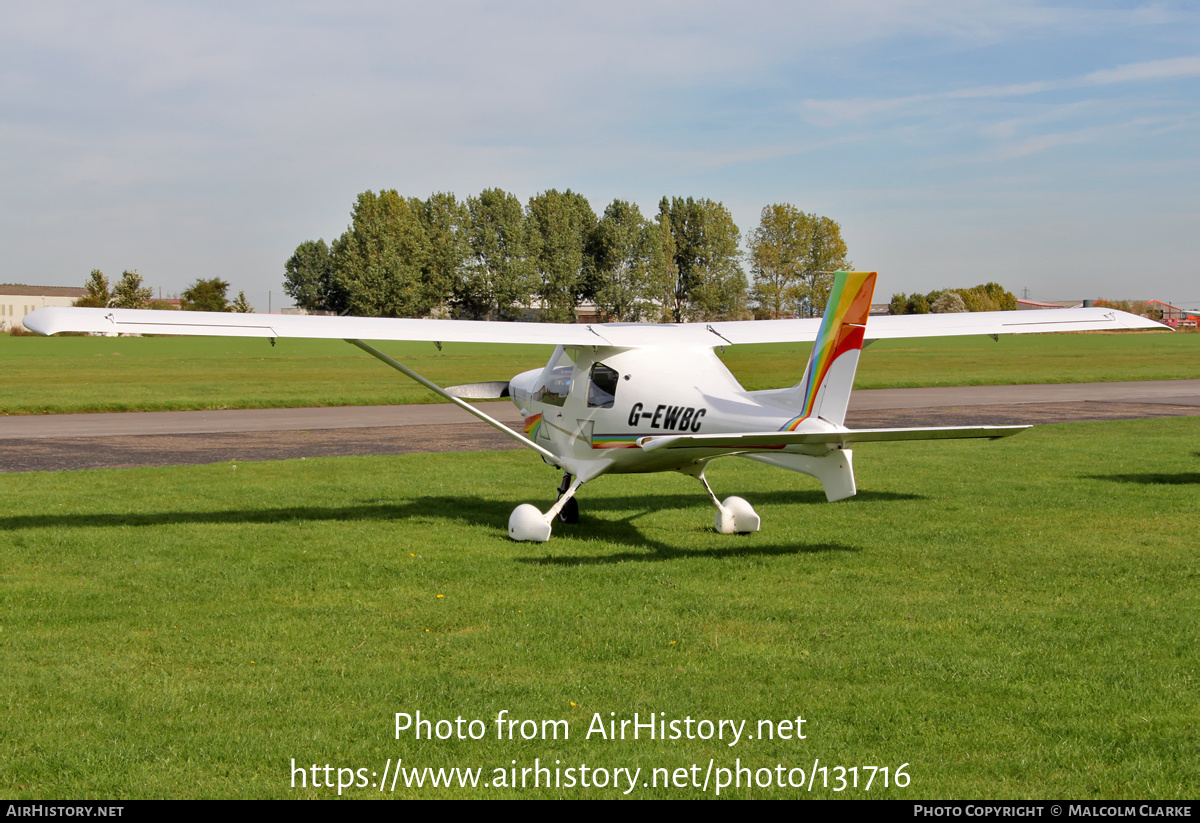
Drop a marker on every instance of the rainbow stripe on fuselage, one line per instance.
(532, 424)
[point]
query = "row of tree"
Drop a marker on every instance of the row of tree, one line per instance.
(129, 293)
(987, 297)
(490, 257)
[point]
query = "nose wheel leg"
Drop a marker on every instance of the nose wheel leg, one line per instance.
(570, 510)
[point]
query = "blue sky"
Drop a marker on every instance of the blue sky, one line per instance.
(1052, 148)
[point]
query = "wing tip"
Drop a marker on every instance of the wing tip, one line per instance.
(44, 321)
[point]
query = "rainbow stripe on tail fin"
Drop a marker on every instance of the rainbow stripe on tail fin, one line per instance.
(830, 372)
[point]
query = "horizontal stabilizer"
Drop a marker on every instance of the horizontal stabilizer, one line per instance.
(753, 441)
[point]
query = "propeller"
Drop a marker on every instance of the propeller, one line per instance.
(479, 391)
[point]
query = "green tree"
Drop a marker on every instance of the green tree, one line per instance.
(664, 270)
(827, 254)
(241, 304)
(948, 302)
(989, 297)
(709, 283)
(446, 223)
(379, 262)
(793, 256)
(497, 281)
(626, 263)
(205, 295)
(98, 295)
(129, 292)
(559, 224)
(680, 217)
(779, 251)
(308, 274)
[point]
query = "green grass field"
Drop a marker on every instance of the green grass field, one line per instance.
(87, 374)
(1010, 619)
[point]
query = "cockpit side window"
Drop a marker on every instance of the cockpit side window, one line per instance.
(602, 390)
(558, 385)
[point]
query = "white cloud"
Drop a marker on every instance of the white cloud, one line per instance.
(1169, 69)
(834, 112)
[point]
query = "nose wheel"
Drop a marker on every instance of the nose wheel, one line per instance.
(527, 523)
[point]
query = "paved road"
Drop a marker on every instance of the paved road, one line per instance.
(79, 441)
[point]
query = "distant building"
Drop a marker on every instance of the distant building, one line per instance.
(588, 313)
(1172, 316)
(16, 301)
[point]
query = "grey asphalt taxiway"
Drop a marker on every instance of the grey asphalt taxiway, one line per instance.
(86, 441)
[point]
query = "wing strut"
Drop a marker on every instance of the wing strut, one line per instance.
(549, 456)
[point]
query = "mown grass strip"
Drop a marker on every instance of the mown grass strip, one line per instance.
(89, 374)
(1010, 619)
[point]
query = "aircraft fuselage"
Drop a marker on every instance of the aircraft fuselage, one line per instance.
(591, 405)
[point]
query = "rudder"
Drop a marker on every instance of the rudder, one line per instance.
(829, 376)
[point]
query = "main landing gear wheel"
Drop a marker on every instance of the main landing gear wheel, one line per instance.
(734, 515)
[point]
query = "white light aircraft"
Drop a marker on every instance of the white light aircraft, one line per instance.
(628, 397)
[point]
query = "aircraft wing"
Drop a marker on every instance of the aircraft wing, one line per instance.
(229, 324)
(885, 327)
(621, 335)
(1038, 321)
(770, 441)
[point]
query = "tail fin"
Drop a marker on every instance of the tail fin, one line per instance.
(834, 359)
